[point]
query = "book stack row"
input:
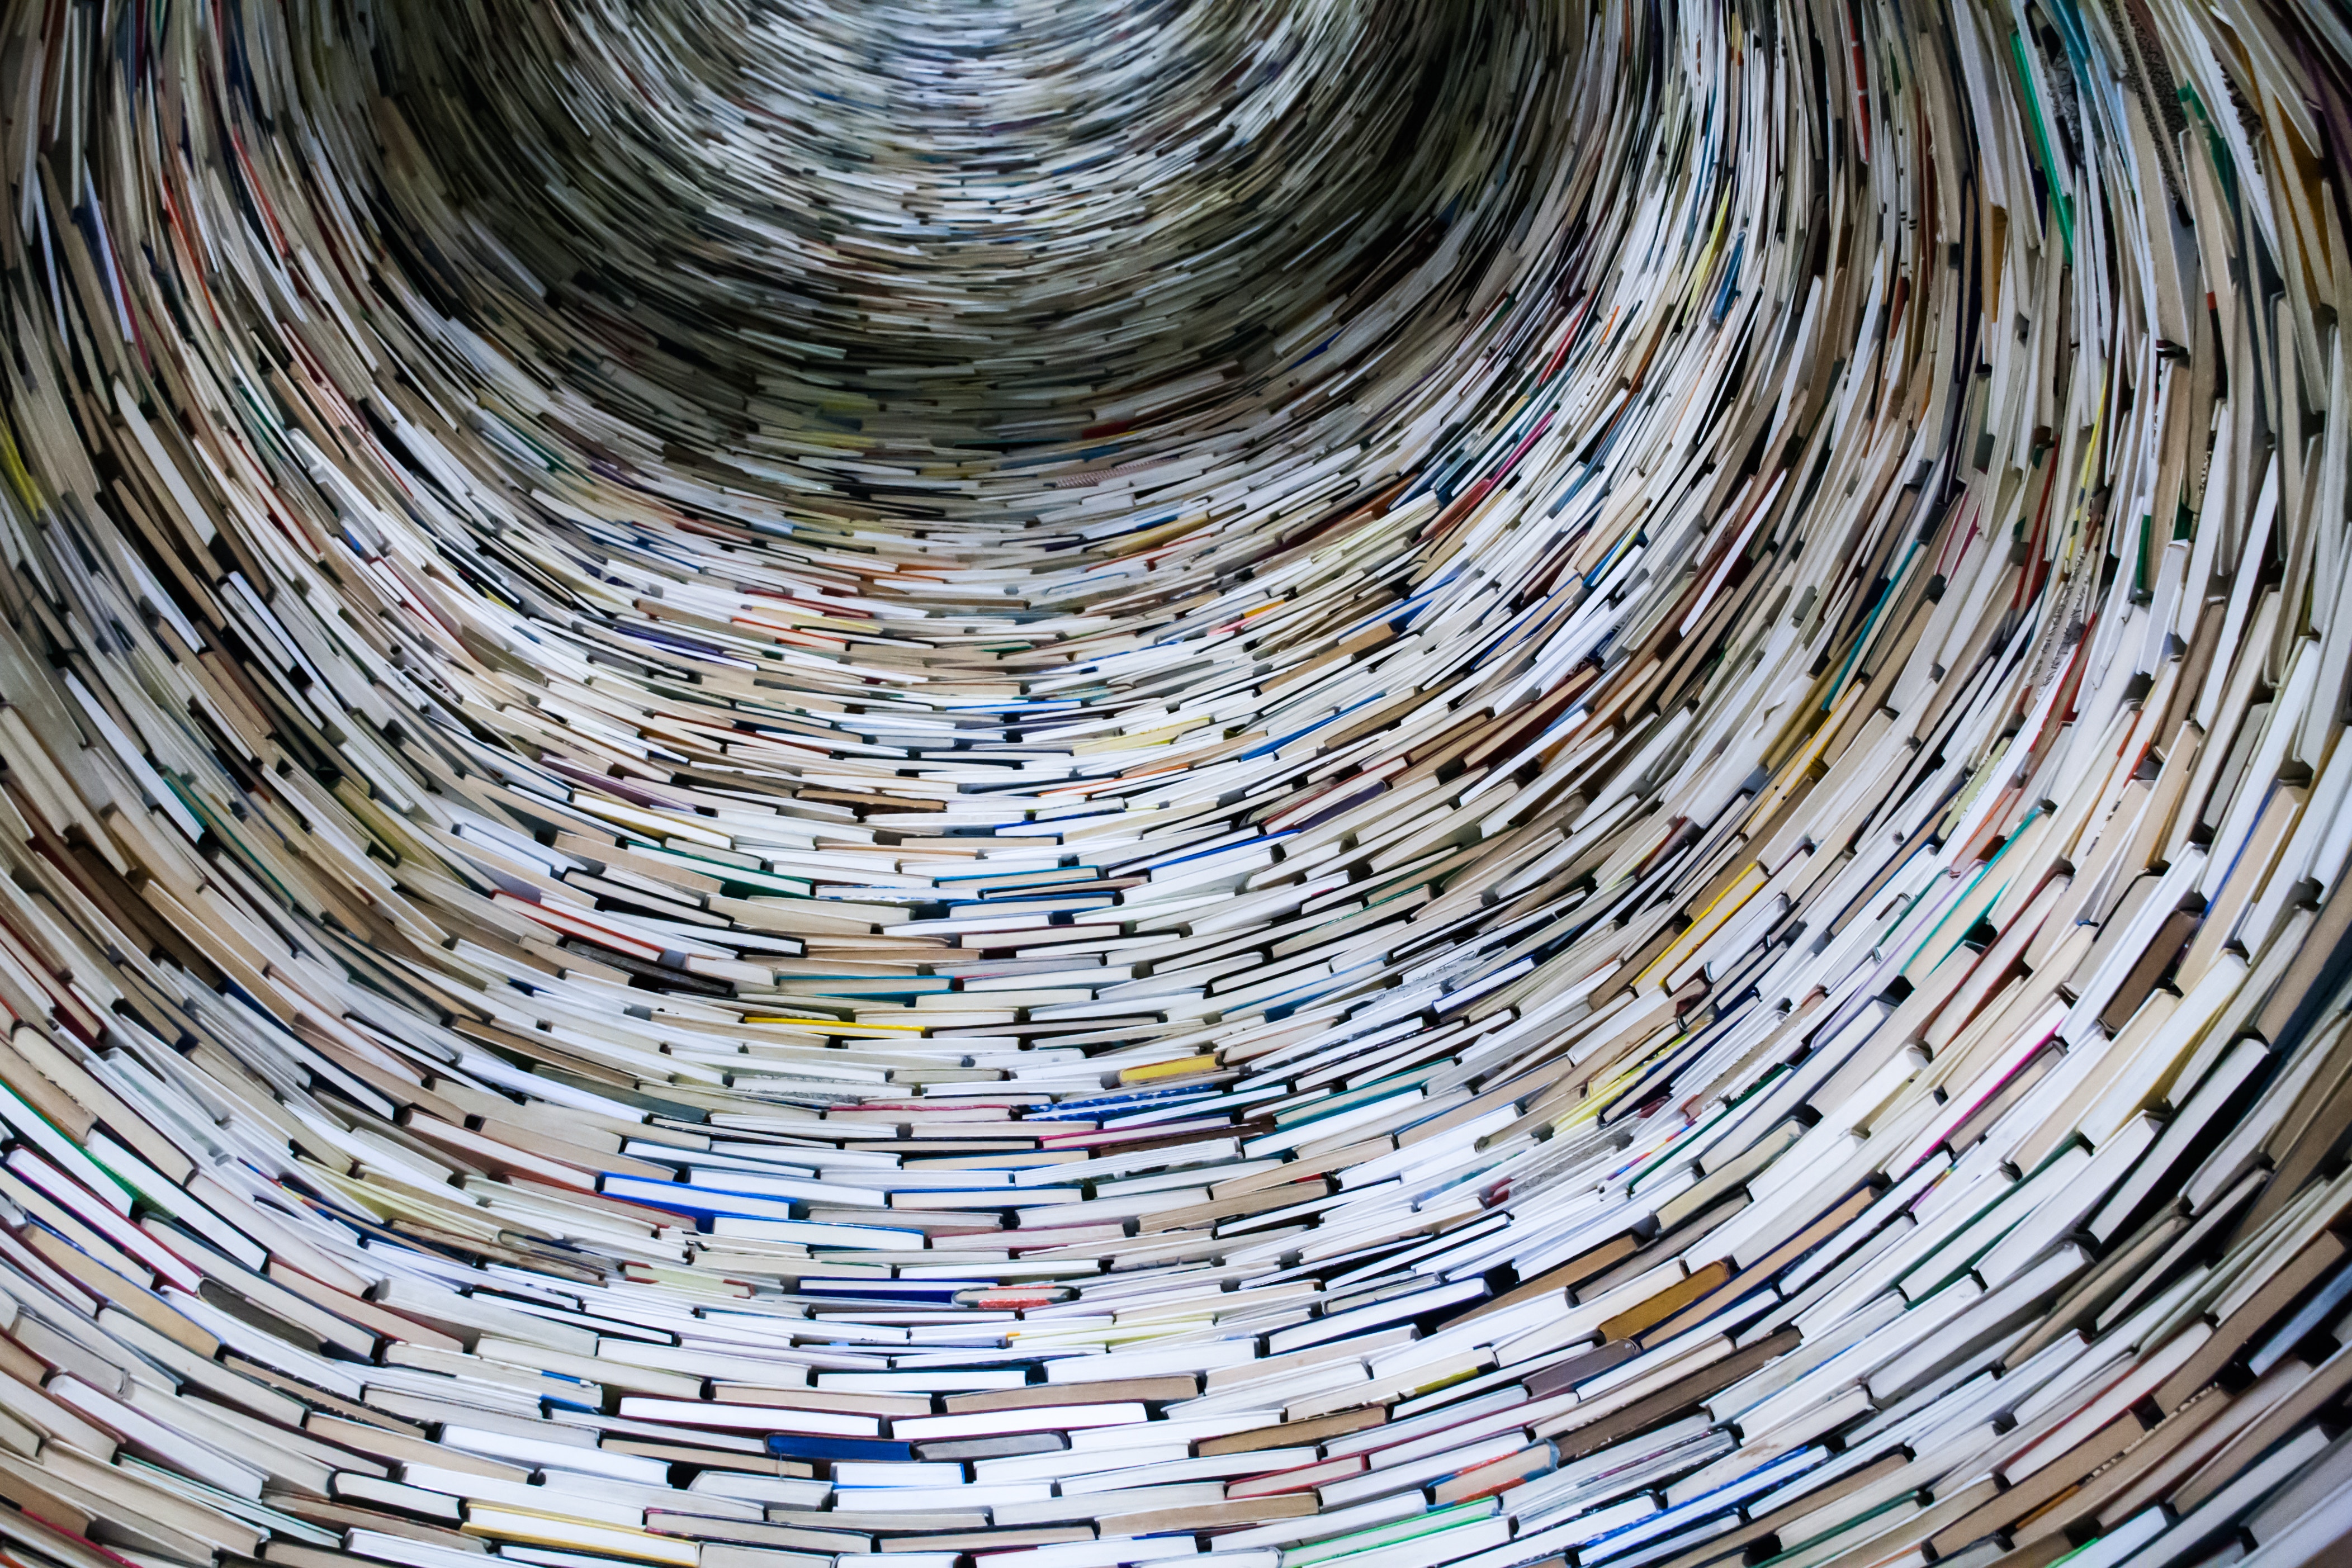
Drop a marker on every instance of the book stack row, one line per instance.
(1060, 785)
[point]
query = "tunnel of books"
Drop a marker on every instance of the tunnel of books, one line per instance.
(1271, 783)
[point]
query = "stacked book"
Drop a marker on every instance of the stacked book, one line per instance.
(1049, 786)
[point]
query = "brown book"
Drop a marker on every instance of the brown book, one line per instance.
(401, 1449)
(333, 1405)
(735, 1531)
(343, 1515)
(352, 1309)
(2146, 1460)
(1144, 1390)
(1294, 1434)
(72, 1551)
(1565, 1374)
(54, 1063)
(2297, 1163)
(2318, 1258)
(991, 1448)
(2326, 1383)
(2041, 1554)
(1630, 1322)
(1729, 1288)
(1211, 1516)
(2127, 1269)
(44, 1496)
(1575, 1441)
(2044, 1486)
(882, 1405)
(73, 1119)
(750, 1459)
(1562, 1277)
(24, 1365)
(111, 1287)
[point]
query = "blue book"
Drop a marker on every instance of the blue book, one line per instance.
(794, 1446)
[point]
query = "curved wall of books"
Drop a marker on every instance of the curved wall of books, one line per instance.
(1035, 785)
